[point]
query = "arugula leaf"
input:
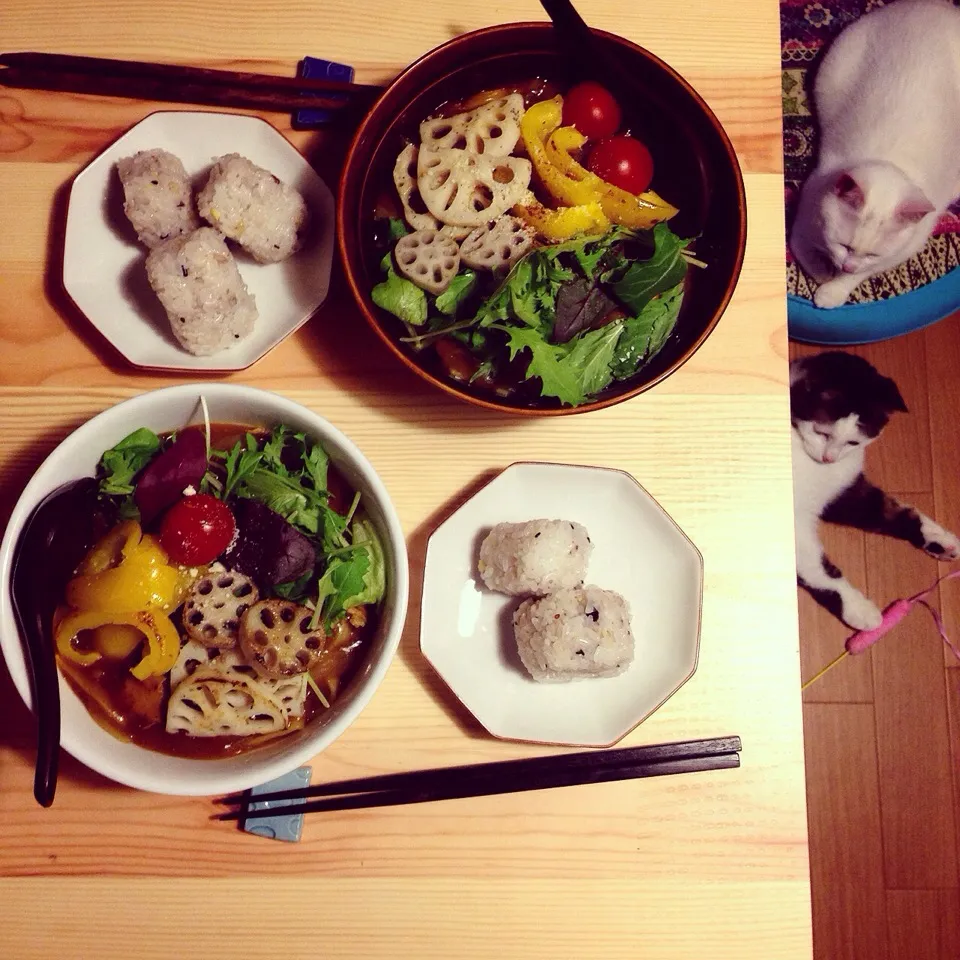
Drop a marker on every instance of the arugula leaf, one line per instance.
(239, 463)
(644, 335)
(374, 579)
(121, 463)
(557, 379)
(461, 286)
(592, 355)
(315, 461)
(341, 581)
(397, 295)
(523, 302)
(646, 278)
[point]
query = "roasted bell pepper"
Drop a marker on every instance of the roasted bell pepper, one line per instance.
(565, 222)
(163, 641)
(123, 592)
(641, 210)
(548, 145)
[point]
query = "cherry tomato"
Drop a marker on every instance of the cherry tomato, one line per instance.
(197, 529)
(622, 161)
(592, 110)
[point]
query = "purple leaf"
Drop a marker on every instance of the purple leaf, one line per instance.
(163, 480)
(266, 547)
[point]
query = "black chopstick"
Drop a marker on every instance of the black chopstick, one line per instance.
(182, 84)
(558, 769)
(486, 787)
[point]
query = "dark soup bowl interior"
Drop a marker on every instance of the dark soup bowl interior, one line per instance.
(695, 168)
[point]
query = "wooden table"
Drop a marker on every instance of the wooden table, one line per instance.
(705, 866)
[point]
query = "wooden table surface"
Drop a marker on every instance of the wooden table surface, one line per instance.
(704, 866)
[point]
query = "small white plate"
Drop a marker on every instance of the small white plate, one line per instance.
(466, 631)
(103, 263)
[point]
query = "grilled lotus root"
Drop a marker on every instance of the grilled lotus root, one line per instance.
(428, 258)
(276, 637)
(497, 244)
(212, 612)
(209, 704)
(290, 692)
(492, 129)
(405, 180)
(466, 189)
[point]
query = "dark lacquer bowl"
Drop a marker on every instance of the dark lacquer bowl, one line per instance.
(695, 168)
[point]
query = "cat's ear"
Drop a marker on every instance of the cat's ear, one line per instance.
(891, 396)
(914, 208)
(849, 191)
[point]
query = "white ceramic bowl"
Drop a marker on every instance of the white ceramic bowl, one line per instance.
(163, 410)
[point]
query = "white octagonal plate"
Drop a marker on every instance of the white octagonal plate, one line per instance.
(103, 264)
(466, 631)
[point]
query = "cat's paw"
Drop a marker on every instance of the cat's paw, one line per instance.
(832, 294)
(861, 613)
(938, 542)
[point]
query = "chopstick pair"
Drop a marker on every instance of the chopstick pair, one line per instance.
(490, 779)
(181, 84)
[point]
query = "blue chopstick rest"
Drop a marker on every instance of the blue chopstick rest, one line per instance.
(287, 827)
(326, 69)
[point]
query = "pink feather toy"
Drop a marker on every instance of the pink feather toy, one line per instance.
(864, 639)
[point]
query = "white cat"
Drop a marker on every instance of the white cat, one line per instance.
(887, 98)
(839, 404)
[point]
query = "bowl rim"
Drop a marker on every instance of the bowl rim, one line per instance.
(254, 768)
(361, 297)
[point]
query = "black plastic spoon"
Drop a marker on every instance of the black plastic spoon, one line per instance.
(54, 540)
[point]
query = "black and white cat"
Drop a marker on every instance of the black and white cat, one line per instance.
(840, 404)
(887, 98)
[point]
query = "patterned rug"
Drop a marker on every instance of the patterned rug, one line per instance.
(805, 29)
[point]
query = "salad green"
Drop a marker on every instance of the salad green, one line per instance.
(576, 316)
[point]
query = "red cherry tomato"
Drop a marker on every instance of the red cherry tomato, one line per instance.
(622, 161)
(592, 110)
(197, 529)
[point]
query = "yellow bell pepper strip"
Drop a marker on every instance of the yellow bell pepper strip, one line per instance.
(162, 647)
(116, 641)
(141, 578)
(641, 211)
(536, 125)
(563, 223)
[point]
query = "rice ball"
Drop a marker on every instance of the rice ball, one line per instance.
(158, 199)
(200, 287)
(573, 634)
(253, 208)
(536, 556)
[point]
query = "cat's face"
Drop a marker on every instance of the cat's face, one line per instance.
(839, 403)
(870, 214)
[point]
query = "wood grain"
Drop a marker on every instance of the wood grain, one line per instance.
(846, 849)
(713, 866)
(923, 924)
(916, 792)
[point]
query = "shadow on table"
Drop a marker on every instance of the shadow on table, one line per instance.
(441, 694)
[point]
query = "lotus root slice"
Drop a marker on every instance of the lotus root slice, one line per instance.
(212, 611)
(429, 259)
(497, 244)
(492, 129)
(277, 638)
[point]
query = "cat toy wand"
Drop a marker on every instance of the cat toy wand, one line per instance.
(864, 639)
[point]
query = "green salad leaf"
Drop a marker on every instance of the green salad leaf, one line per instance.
(121, 463)
(375, 577)
(461, 286)
(644, 335)
(397, 295)
(558, 379)
(644, 279)
(592, 356)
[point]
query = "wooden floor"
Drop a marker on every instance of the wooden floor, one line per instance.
(883, 729)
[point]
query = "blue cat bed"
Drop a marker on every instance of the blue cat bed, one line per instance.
(876, 320)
